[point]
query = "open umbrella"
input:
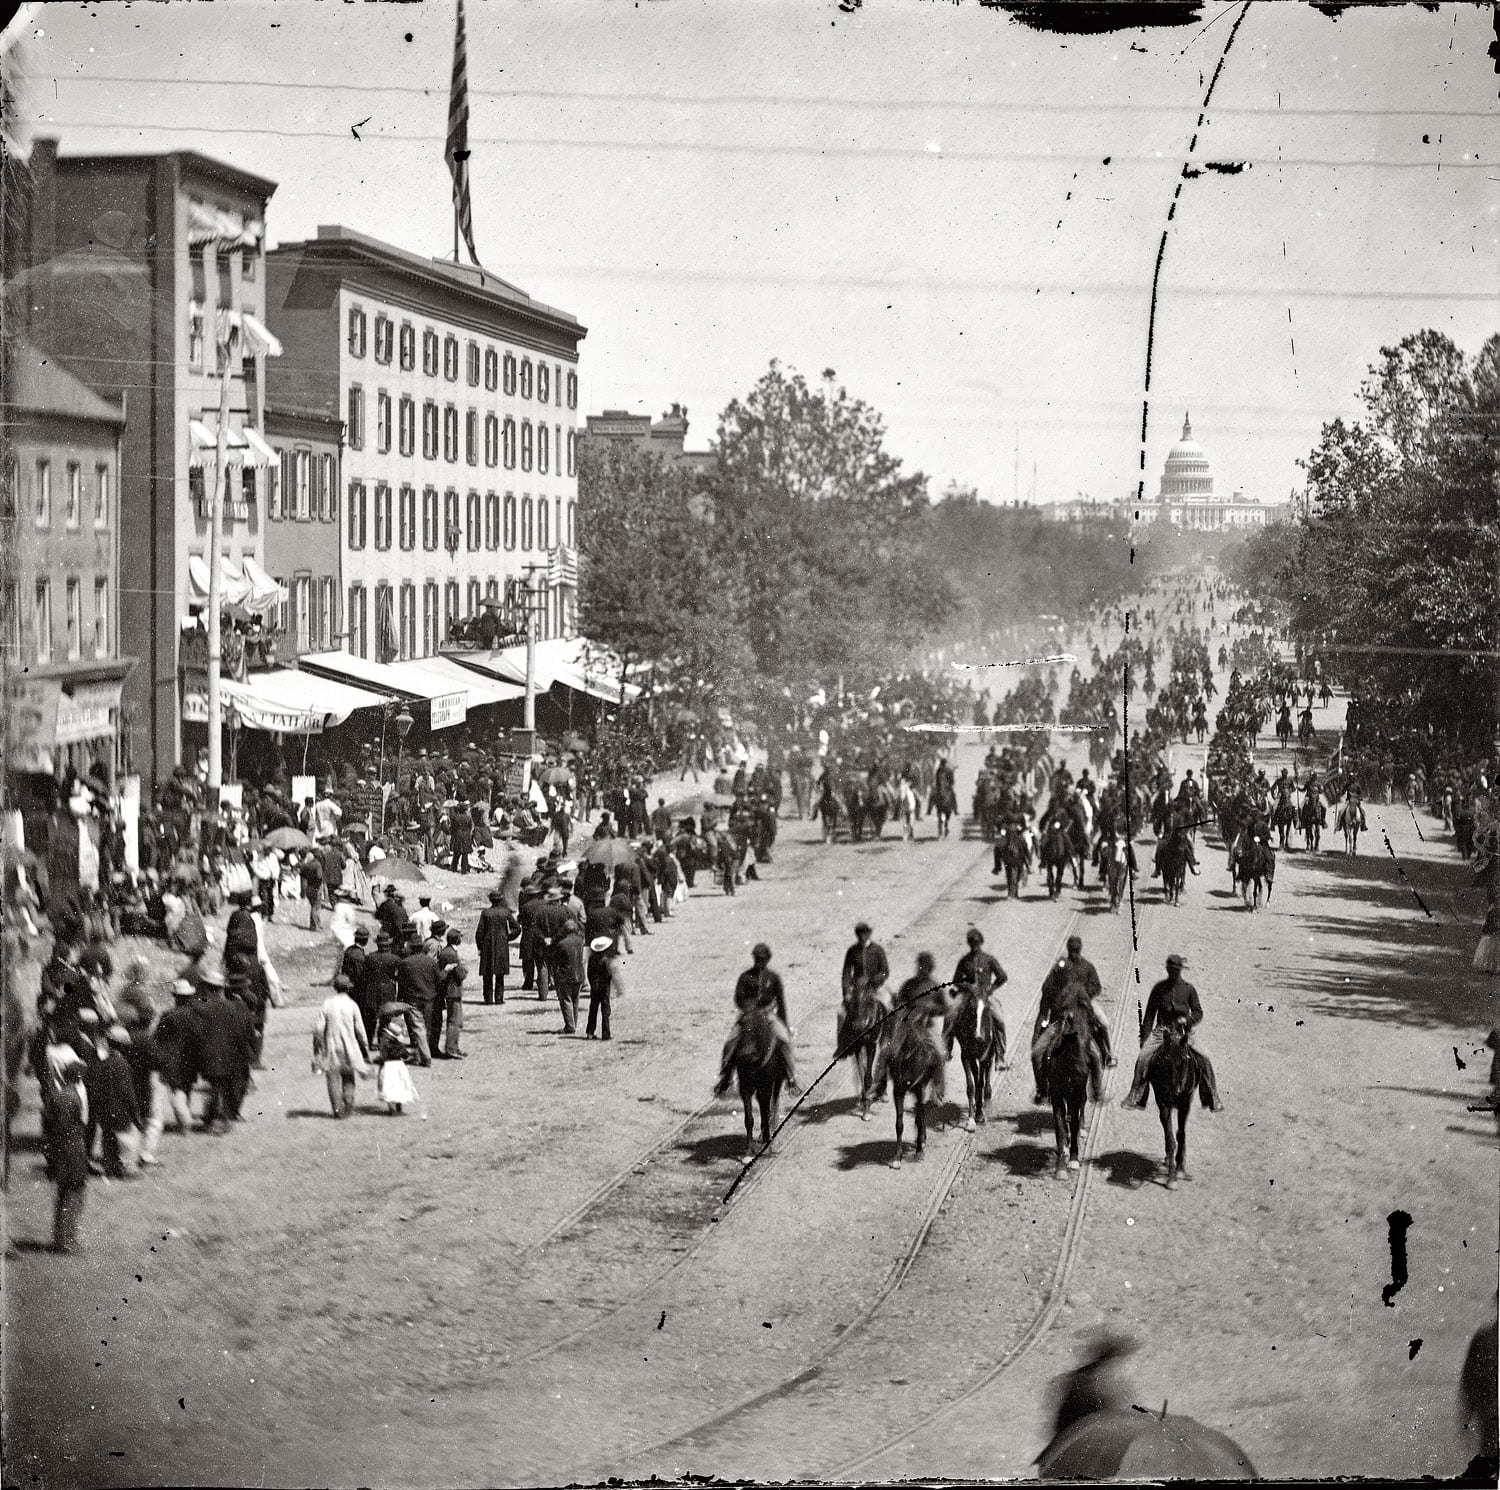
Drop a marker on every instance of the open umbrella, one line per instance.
(394, 869)
(1136, 1444)
(288, 838)
(608, 853)
(554, 776)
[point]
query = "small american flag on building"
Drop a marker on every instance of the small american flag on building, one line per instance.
(562, 566)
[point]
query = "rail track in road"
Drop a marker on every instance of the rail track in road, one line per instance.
(645, 1186)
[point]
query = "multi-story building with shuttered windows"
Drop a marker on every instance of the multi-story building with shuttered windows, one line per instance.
(459, 398)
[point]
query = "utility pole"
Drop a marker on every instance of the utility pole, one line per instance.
(528, 716)
(215, 523)
(1015, 483)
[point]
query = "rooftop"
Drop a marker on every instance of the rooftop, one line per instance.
(40, 384)
(190, 161)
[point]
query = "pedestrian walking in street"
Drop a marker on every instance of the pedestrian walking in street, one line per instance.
(568, 969)
(341, 1050)
(417, 980)
(310, 873)
(227, 1038)
(603, 953)
(492, 942)
(175, 1049)
(451, 976)
(66, 1144)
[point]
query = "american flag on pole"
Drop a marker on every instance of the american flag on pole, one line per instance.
(562, 566)
(458, 141)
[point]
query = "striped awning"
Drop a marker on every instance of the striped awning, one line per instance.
(242, 447)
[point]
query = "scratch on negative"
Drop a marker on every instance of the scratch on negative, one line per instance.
(1402, 872)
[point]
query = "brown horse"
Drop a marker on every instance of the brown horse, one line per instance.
(859, 1038)
(1067, 1077)
(914, 1066)
(760, 1067)
(981, 1047)
(1174, 1077)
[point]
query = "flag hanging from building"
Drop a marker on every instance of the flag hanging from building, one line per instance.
(562, 566)
(387, 647)
(458, 141)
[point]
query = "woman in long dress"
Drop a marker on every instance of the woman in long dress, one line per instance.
(340, 1050)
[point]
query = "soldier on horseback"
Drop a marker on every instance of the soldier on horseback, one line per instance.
(921, 1005)
(1074, 980)
(1171, 999)
(758, 988)
(865, 970)
(978, 970)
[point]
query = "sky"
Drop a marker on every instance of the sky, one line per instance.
(956, 213)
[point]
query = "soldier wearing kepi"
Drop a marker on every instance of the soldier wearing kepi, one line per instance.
(979, 970)
(1074, 977)
(1172, 998)
(759, 988)
(865, 968)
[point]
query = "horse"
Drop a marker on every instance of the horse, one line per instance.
(944, 804)
(864, 1017)
(981, 1047)
(827, 810)
(906, 801)
(1114, 854)
(1172, 860)
(1255, 868)
(1067, 1077)
(760, 1067)
(1010, 858)
(1350, 820)
(1282, 818)
(914, 1066)
(1306, 734)
(1312, 816)
(1056, 855)
(854, 806)
(1284, 728)
(728, 857)
(1173, 1076)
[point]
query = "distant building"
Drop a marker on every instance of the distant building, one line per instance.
(131, 263)
(665, 437)
(458, 395)
(60, 523)
(1186, 497)
(302, 539)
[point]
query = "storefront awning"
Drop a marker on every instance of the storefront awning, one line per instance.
(207, 223)
(558, 660)
(242, 447)
(245, 584)
(452, 691)
(288, 701)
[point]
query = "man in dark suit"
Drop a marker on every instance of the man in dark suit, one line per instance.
(1171, 999)
(492, 939)
(417, 980)
(227, 1033)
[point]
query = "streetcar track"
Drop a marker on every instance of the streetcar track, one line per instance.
(786, 1147)
(899, 1271)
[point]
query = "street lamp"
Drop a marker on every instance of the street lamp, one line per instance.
(403, 722)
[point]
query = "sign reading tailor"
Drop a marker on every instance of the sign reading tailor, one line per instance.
(449, 709)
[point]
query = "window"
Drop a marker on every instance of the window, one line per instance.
(452, 536)
(492, 589)
(450, 358)
(450, 606)
(406, 425)
(101, 618)
(572, 390)
(527, 440)
(356, 430)
(382, 421)
(491, 369)
(328, 491)
(356, 331)
(406, 517)
(382, 515)
(510, 373)
(450, 433)
(195, 335)
(429, 618)
(543, 448)
(471, 514)
(474, 597)
(429, 430)
(385, 622)
(491, 521)
(472, 351)
(526, 377)
(557, 383)
(572, 510)
(544, 607)
(385, 333)
(543, 383)
(430, 352)
(509, 444)
(491, 440)
(408, 346)
(408, 619)
(471, 436)
(282, 606)
(75, 619)
(42, 620)
(43, 494)
(358, 620)
(73, 513)
(528, 522)
(327, 612)
(430, 518)
(302, 498)
(510, 520)
(247, 489)
(101, 496)
(248, 256)
(572, 452)
(278, 484)
(543, 523)
(356, 514)
(302, 628)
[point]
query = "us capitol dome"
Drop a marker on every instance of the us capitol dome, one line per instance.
(1186, 495)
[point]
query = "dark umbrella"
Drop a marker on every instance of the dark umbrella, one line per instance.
(288, 838)
(1135, 1444)
(610, 853)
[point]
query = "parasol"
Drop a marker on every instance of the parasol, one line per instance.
(288, 838)
(608, 853)
(1134, 1444)
(393, 869)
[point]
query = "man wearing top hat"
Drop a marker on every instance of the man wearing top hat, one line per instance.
(492, 940)
(227, 1030)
